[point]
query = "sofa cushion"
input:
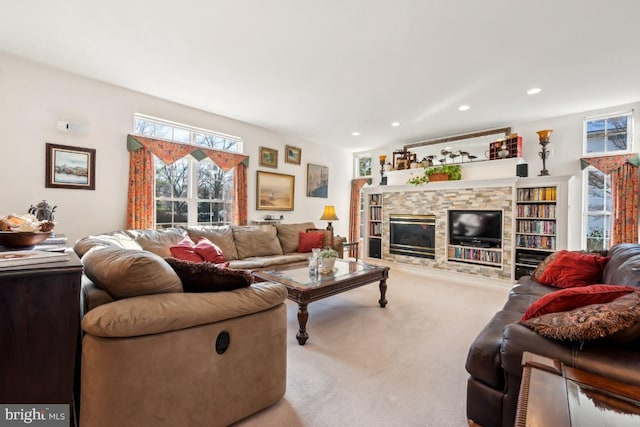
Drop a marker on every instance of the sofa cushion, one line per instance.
(624, 266)
(310, 240)
(126, 273)
(252, 241)
(288, 235)
(221, 236)
(619, 320)
(185, 250)
(209, 251)
(209, 277)
(571, 269)
(158, 241)
(118, 239)
(570, 298)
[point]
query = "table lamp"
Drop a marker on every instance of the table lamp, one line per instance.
(329, 214)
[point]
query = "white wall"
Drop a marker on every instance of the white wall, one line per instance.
(566, 151)
(34, 97)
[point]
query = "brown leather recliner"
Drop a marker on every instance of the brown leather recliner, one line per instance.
(495, 357)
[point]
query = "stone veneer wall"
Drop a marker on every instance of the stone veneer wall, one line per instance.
(437, 202)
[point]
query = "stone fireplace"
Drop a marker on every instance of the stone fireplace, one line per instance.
(412, 235)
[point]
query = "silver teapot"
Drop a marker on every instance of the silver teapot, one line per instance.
(42, 211)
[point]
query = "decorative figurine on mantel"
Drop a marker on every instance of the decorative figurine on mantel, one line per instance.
(544, 154)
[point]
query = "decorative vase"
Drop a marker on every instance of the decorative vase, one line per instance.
(328, 263)
(439, 177)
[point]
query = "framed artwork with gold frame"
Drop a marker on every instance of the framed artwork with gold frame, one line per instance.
(268, 157)
(274, 191)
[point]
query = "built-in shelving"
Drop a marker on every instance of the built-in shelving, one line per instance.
(374, 224)
(491, 257)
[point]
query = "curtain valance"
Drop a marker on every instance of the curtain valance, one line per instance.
(608, 164)
(169, 152)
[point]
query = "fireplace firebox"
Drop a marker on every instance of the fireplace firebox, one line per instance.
(412, 235)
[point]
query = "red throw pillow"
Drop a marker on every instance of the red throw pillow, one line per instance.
(185, 250)
(209, 251)
(571, 269)
(310, 240)
(572, 298)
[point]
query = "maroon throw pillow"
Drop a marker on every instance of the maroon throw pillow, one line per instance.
(209, 277)
(571, 269)
(571, 298)
(209, 251)
(310, 240)
(185, 250)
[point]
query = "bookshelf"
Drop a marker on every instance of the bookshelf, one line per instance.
(374, 225)
(489, 257)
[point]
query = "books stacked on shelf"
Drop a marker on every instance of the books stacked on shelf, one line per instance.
(535, 241)
(539, 227)
(55, 243)
(537, 211)
(473, 254)
(376, 213)
(10, 259)
(375, 229)
(537, 194)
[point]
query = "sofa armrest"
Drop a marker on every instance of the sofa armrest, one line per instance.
(152, 314)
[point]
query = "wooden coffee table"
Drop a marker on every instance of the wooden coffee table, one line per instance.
(304, 288)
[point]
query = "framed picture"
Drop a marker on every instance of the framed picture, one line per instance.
(317, 181)
(293, 154)
(274, 191)
(268, 157)
(70, 167)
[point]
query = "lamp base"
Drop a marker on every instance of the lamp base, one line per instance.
(544, 172)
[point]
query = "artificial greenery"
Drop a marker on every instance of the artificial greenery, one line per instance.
(328, 253)
(453, 171)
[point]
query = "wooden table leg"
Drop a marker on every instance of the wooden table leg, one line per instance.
(383, 291)
(303, 316)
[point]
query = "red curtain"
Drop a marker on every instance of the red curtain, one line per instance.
(240, 214)
(140, 197)
(624, 185)
(354, 213)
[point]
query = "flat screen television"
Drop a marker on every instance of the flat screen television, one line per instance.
(478, 228)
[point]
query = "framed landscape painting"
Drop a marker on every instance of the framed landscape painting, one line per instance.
(268, 157)
(70, 167)
(274, 191)
(292, 154)
(317, 181)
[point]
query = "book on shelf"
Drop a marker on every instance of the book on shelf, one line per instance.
(30, 257)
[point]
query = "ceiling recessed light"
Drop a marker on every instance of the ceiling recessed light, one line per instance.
(395, 124)
(534, 90)
(355, 133)
(463, 107)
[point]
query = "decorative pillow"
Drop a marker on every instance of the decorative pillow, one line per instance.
(127, 273)
(186, 250)
(618, 320)
(256, 240)
(571, 269)
(310, 240)
(208, 251)
(571, 298)
(209, 277)
(543, 266)
(328, 236)
(221, 236)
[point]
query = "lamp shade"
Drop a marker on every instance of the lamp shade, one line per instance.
(329, 213)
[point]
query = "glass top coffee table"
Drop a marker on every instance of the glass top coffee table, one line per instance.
(304, 288)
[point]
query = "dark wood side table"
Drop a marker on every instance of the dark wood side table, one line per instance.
(39, 316)
(552, 394)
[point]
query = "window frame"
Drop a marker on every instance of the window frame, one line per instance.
(630, 132)
(608, 211)
(357, 158)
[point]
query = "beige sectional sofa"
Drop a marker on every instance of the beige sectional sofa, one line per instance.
(153, 355)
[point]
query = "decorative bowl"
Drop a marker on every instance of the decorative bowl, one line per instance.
(21, 239)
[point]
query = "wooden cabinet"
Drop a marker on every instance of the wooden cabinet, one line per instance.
(540, 221)
(374, 225)
(39, 332)
(506, 148)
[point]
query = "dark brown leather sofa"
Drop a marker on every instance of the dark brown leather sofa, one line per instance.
(494, 359)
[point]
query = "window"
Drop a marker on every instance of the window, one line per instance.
(189, 191)
(363, 166)
(597, 209)
(607, 135)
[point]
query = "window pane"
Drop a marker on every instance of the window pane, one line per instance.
(163, 212)
(608, 135)
(616, 142)
(597, 232)
(144, 127)
(216, 142)
(364, 166)
(172, 180)
(595, 144)
(596, 191)
(210, 180)
(181, 135)
(163, 131)
(180, 213)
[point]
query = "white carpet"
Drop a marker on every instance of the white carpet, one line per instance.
(402, 365)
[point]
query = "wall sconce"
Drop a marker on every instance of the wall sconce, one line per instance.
(329, 214)
(383, 179)
(544, 154)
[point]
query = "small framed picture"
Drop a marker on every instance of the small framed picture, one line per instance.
(268, 157)
(293, 154)
(317, 181)
(70, 167)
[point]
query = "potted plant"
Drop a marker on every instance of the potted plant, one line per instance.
(437, 173)
(328, 258)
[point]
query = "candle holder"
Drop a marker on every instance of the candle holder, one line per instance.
(544, 154)
(383, 179)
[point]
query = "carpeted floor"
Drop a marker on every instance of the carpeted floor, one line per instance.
(402, 365)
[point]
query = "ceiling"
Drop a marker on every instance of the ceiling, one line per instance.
(321, 70)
